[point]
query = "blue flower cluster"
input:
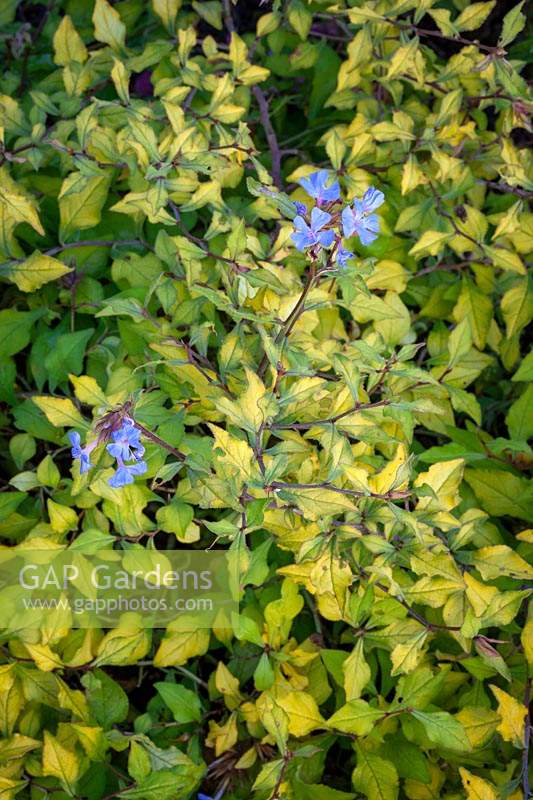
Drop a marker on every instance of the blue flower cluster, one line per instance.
(318, 230)
(125, 447)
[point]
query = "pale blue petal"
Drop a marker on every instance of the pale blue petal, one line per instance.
(319, 218)
(326, 238)
(372, 199)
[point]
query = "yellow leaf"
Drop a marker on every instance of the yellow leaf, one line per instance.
(479, 595)
(444, 478)
(479, 724)
(92, 740)
(303, 713)
(22, 209)
(80, 201)
(527, 641)
(87, 390)
(121, 78)
(499, 559)
(356, 672)
(72, 700)
(394, 475)
(108, 27)
(512, 714)
(406, 655)
(236, 454)
(430, 243)
(44, 656)
(473, 16)
(9, 788)
(176, 648)
(375, 777)
(11, 698)
(476, 788)
(402, 60)
(125, 644)
(222, 737)
(35, 271)
(60, 411)
(167, 11)
(62, 518)
(68, 44)
(228, 686)
(60, 762)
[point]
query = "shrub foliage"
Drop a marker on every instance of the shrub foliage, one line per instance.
(355, 437)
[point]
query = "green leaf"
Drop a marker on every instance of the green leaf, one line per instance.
(443, 730)
(184, 704)
(108, 27)
(15, 329)
(375, 777)
(67, 356)
(513, 23)
(107, 700)
(356, 717)
(81, 201)
(501, 493)
(473, 16)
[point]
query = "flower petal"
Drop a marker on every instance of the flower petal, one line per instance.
(319, 218)
(372, 199)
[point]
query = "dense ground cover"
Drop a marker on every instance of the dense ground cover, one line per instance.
(353, 429)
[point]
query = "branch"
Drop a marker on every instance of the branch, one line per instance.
(504, 187)
(399, 495)
(499, 52)
(304, 426)
(228, 18)
(161, 442)
(431, 626)
(270, 133)
(290, 322)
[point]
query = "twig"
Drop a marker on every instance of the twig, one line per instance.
(504, 187)
(441, 266)
(303, 426)
(287, 756)
(495, 51)
(228, 17)
(270, 133)
(431, 626)
(399, 495)
(161, 442)
(290, 322)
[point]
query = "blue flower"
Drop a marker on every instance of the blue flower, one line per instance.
(126, 446)
(126, 472)
(359, 219)
(126, 443)
(315, 186)
(81, 453)
(343, 256)
(309, 235)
